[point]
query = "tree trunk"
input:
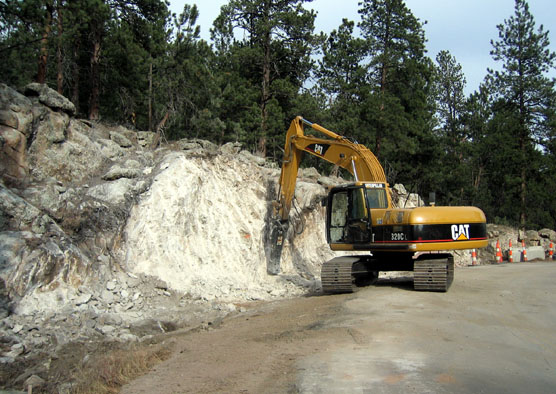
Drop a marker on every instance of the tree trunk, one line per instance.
(95, 78)
(159, 128)
(522, 145)
(60, 73)
(522, 216)
(151, 96)
(523, 186)
(261, 149)
(75, 74)
(477, 183)
(43, 56)
(265, 92)
(381, 117)
(383, 82)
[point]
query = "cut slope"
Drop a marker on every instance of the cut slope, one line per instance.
(200, 228)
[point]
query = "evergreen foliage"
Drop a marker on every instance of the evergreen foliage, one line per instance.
(453, 138)
(522, 93)
(397, 109)
(371, 80)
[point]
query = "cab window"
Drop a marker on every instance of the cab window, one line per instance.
(377, 198)
(338, 216)
(357, 205)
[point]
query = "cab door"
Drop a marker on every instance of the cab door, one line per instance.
(348, 220)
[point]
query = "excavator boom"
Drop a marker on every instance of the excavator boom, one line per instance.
(351, 156)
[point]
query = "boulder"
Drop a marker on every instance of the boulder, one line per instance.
(15, 110)
(532, 238)
(69, 156)
(252, 158)
(13, 156)
(187, 145)
(145, 138)
(127, 133)
(310, 172)
(117, 172)
(548, 234)
(111, 149)
(120, 139)
(52, 128)
(83, 299)
(112, 192)
(23, 216)
(231, 148)
(533, 253)
(209, 146)
(403, 199)
(50, 97)
(16, 119)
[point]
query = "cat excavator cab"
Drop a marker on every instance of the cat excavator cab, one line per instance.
(361, 217)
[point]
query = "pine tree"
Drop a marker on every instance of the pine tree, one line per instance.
(25, 33)
(341, 71)
(397, 110)
(449, 101)
(342, 75)
(278, 41)
(136, 36)
(524, 88)
(475, 120)
(449, 85)
(186, 85)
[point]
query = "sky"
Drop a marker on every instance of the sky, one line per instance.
(465, 28)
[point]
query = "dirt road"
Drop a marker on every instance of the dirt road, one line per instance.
(494, 331)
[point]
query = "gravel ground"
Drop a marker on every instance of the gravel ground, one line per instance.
(492, 332)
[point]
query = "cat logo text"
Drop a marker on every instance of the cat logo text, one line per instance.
(460, 232)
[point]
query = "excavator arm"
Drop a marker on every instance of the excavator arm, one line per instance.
(353, 157)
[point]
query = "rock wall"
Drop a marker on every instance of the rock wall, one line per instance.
(103, 238)
(200, 229)
(87, 203)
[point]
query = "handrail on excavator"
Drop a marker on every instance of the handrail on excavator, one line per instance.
(318, 127)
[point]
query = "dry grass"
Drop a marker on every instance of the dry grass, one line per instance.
(109, 372)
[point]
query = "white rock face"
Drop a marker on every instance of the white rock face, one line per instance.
(406, 199)
(200, 229)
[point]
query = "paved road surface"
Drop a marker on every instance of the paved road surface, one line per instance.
(493, 332)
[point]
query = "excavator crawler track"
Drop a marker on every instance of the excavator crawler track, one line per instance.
(336, 275)
(433, 274)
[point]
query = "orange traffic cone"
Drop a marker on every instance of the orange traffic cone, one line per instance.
(510, 253)
(524, 252)
(474, 257)
(498, 252)
(551, 251)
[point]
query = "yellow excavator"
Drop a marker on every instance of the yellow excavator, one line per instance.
(360, 217)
